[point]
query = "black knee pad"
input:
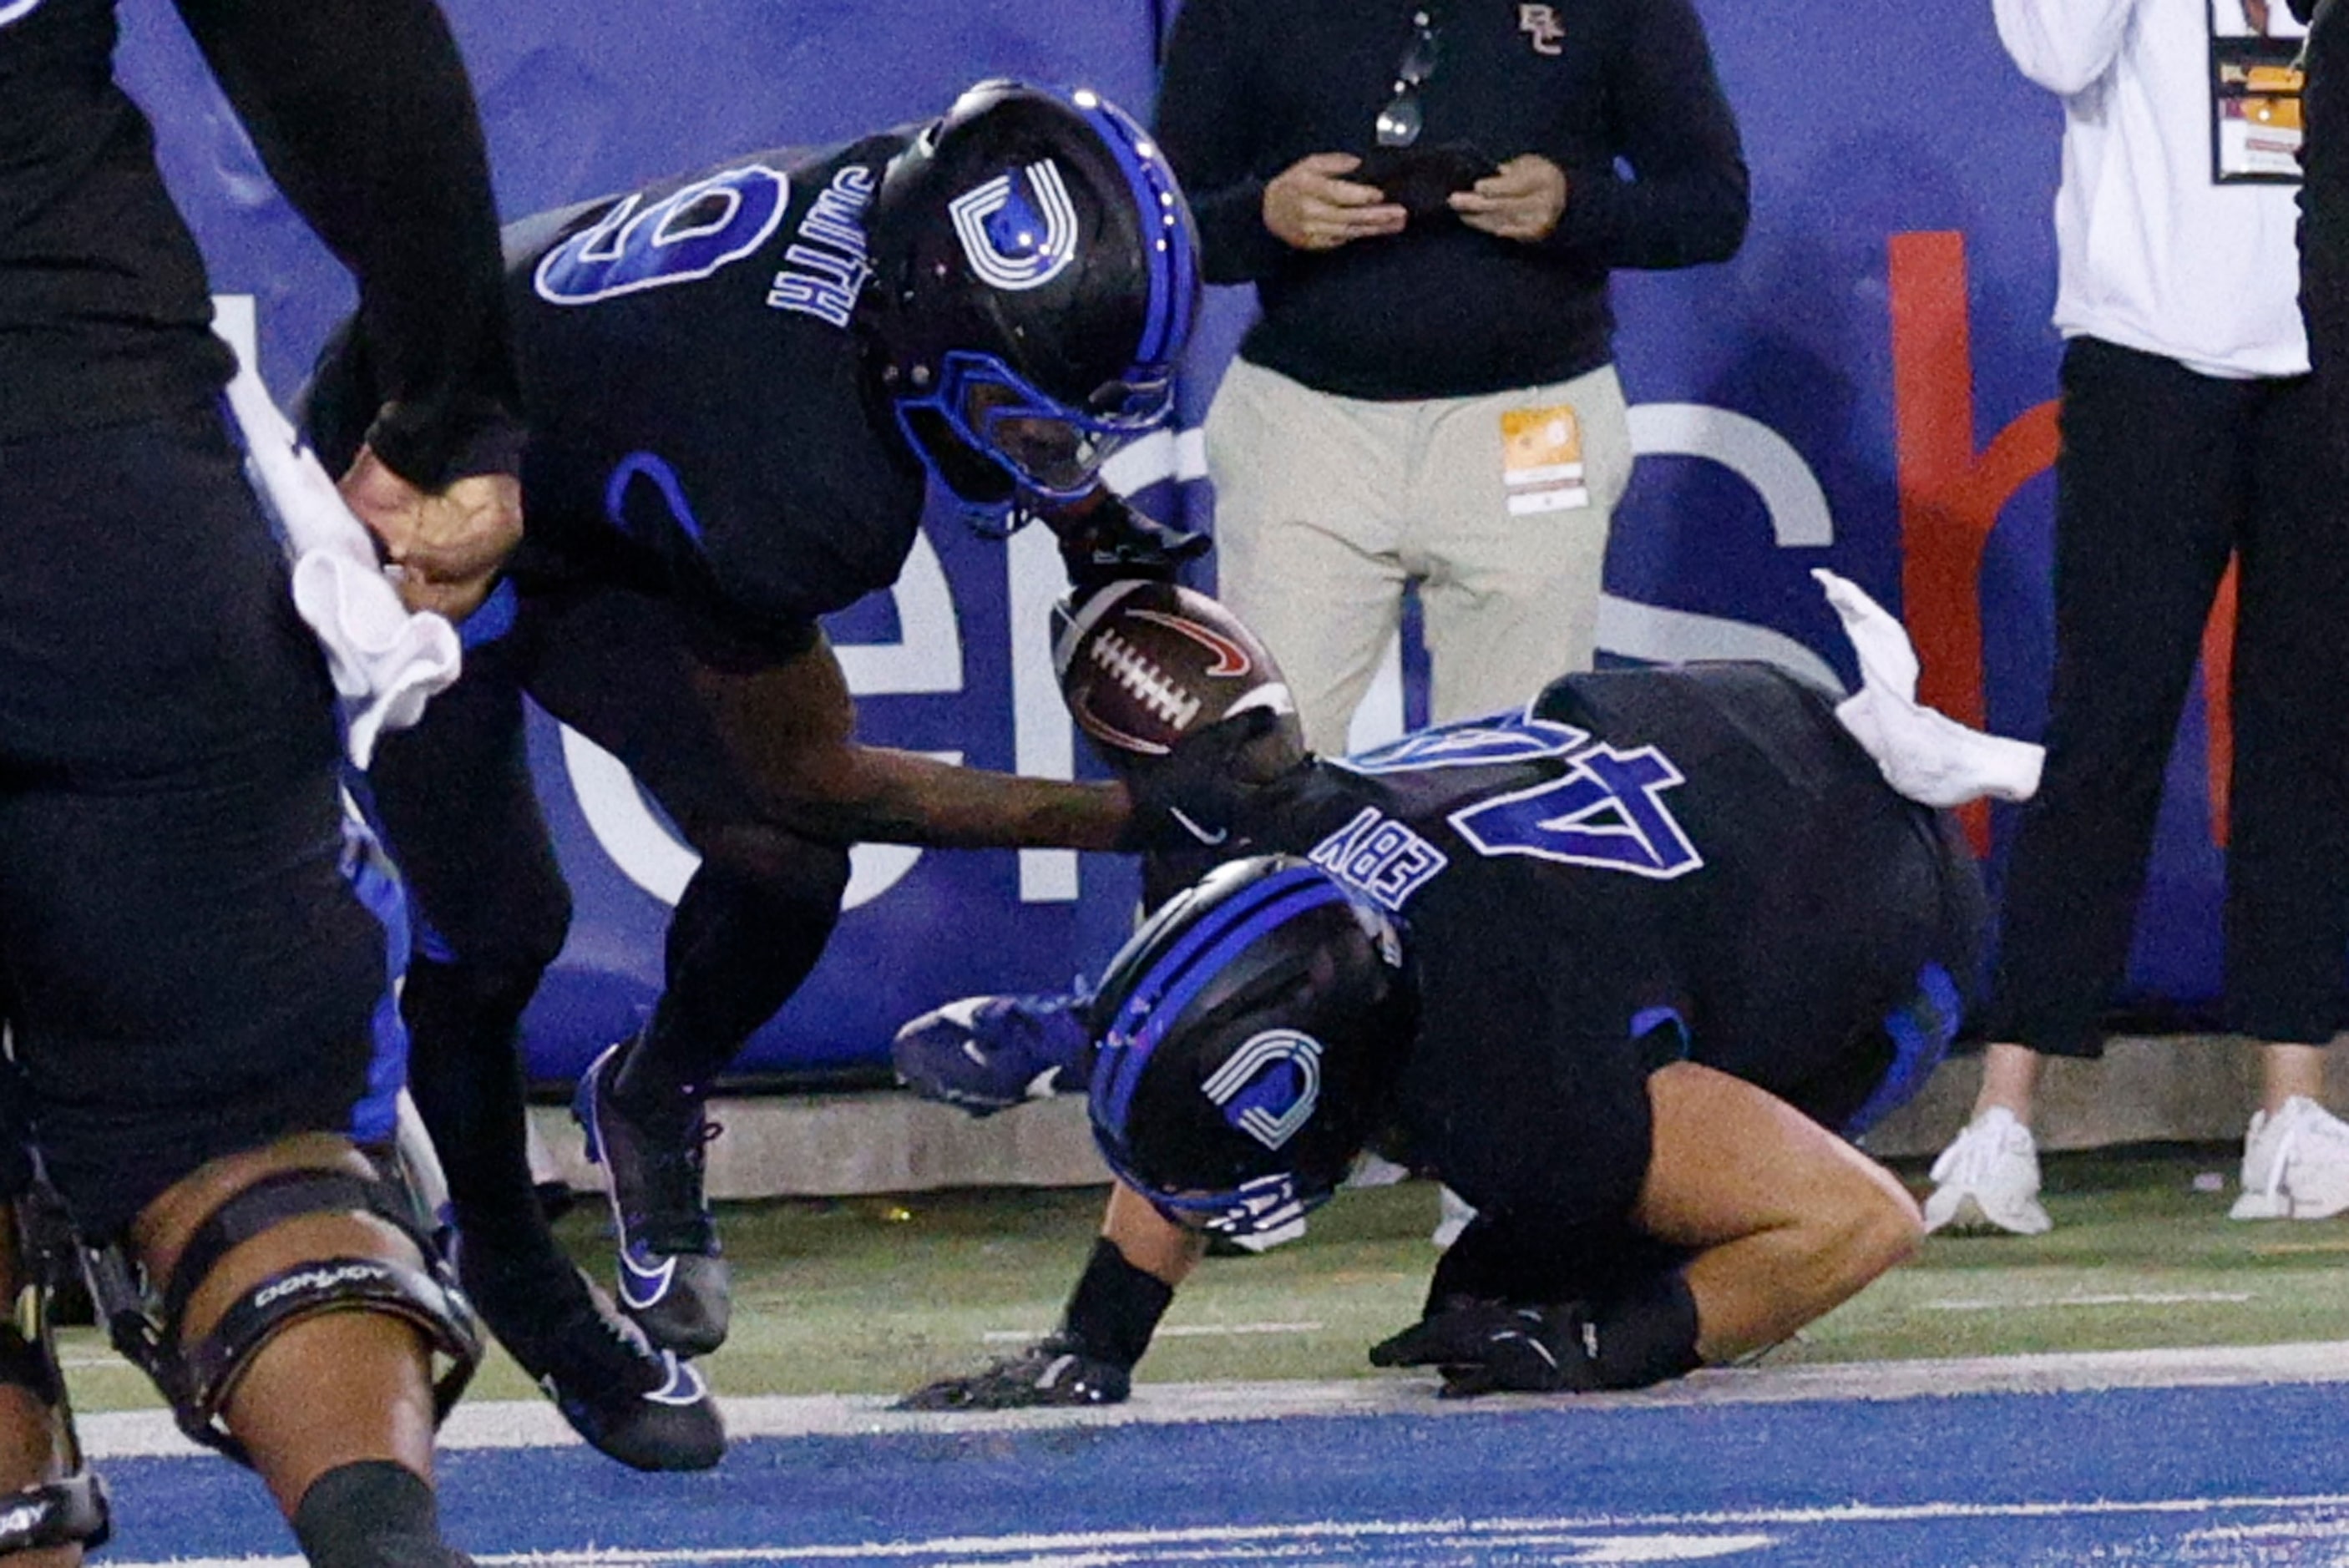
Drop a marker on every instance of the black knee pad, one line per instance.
(197, 1379)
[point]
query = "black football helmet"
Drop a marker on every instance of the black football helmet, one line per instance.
(1035, 279)
(1248, 1038)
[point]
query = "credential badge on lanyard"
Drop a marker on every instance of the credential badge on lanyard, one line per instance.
(2255, 96)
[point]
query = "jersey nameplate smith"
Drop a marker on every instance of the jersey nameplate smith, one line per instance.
(830, 259)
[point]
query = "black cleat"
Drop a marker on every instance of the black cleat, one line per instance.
(640, 1405)
(672, 1278)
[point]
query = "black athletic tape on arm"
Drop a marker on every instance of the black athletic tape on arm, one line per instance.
(1647, 1335)
(1115, 1307)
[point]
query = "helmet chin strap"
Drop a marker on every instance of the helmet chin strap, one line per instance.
(998, 520)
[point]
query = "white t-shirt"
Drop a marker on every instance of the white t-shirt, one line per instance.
(2153, 253)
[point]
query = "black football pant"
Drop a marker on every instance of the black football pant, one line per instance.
(190, 972)
(2163, 477)
(458, 808)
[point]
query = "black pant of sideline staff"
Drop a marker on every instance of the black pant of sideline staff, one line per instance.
(2167, 476)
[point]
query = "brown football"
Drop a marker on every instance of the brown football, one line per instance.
(1142, 665)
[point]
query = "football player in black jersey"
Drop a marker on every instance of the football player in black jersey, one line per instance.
(740, 385)
(1627, 970)
(195, 960)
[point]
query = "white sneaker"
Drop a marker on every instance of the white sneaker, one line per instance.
(2296, 1164)
(1988, 1179)
(1376, 1170)
(1452, 1215)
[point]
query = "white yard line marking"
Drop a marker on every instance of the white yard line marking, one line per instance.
(534, 1424)
(1176, 1331)
(2117, 1299)
(1664, 1537)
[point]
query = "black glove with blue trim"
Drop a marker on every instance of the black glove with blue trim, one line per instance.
(1051, 1372)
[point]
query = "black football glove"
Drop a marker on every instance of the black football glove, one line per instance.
(1111, 542)
(1643, 1334)
(1049, 1372)
(1193, 797)
(1488, 1346)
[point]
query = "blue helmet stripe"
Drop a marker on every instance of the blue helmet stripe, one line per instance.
(1143, 1044)
(1203, 953)
(1157, 199)
(1149, 1000)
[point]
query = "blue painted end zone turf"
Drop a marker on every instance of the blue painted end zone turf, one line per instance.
(2146, 1476)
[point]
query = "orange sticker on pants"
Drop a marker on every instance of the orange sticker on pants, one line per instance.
(1541, 459)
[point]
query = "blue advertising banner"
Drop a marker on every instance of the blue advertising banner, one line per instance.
(1868, 386)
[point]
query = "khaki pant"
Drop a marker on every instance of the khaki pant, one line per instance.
(1327, 507)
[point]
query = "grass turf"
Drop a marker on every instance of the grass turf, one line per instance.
(873, 1296)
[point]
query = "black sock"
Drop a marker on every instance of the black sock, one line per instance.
(746, 930)
(373, 1514)
(465, 1072)
(658, 1086)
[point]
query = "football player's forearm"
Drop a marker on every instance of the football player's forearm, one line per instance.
(790, 729)
(884, 796)
(1150, 1241)
(363, 116)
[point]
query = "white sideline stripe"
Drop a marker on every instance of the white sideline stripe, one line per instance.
(1179, 1331)
(520, 1424)
(2136, 1298)
(1601, 1531)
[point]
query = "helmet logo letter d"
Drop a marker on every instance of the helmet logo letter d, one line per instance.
(1269, 1087)
(1018, 239)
